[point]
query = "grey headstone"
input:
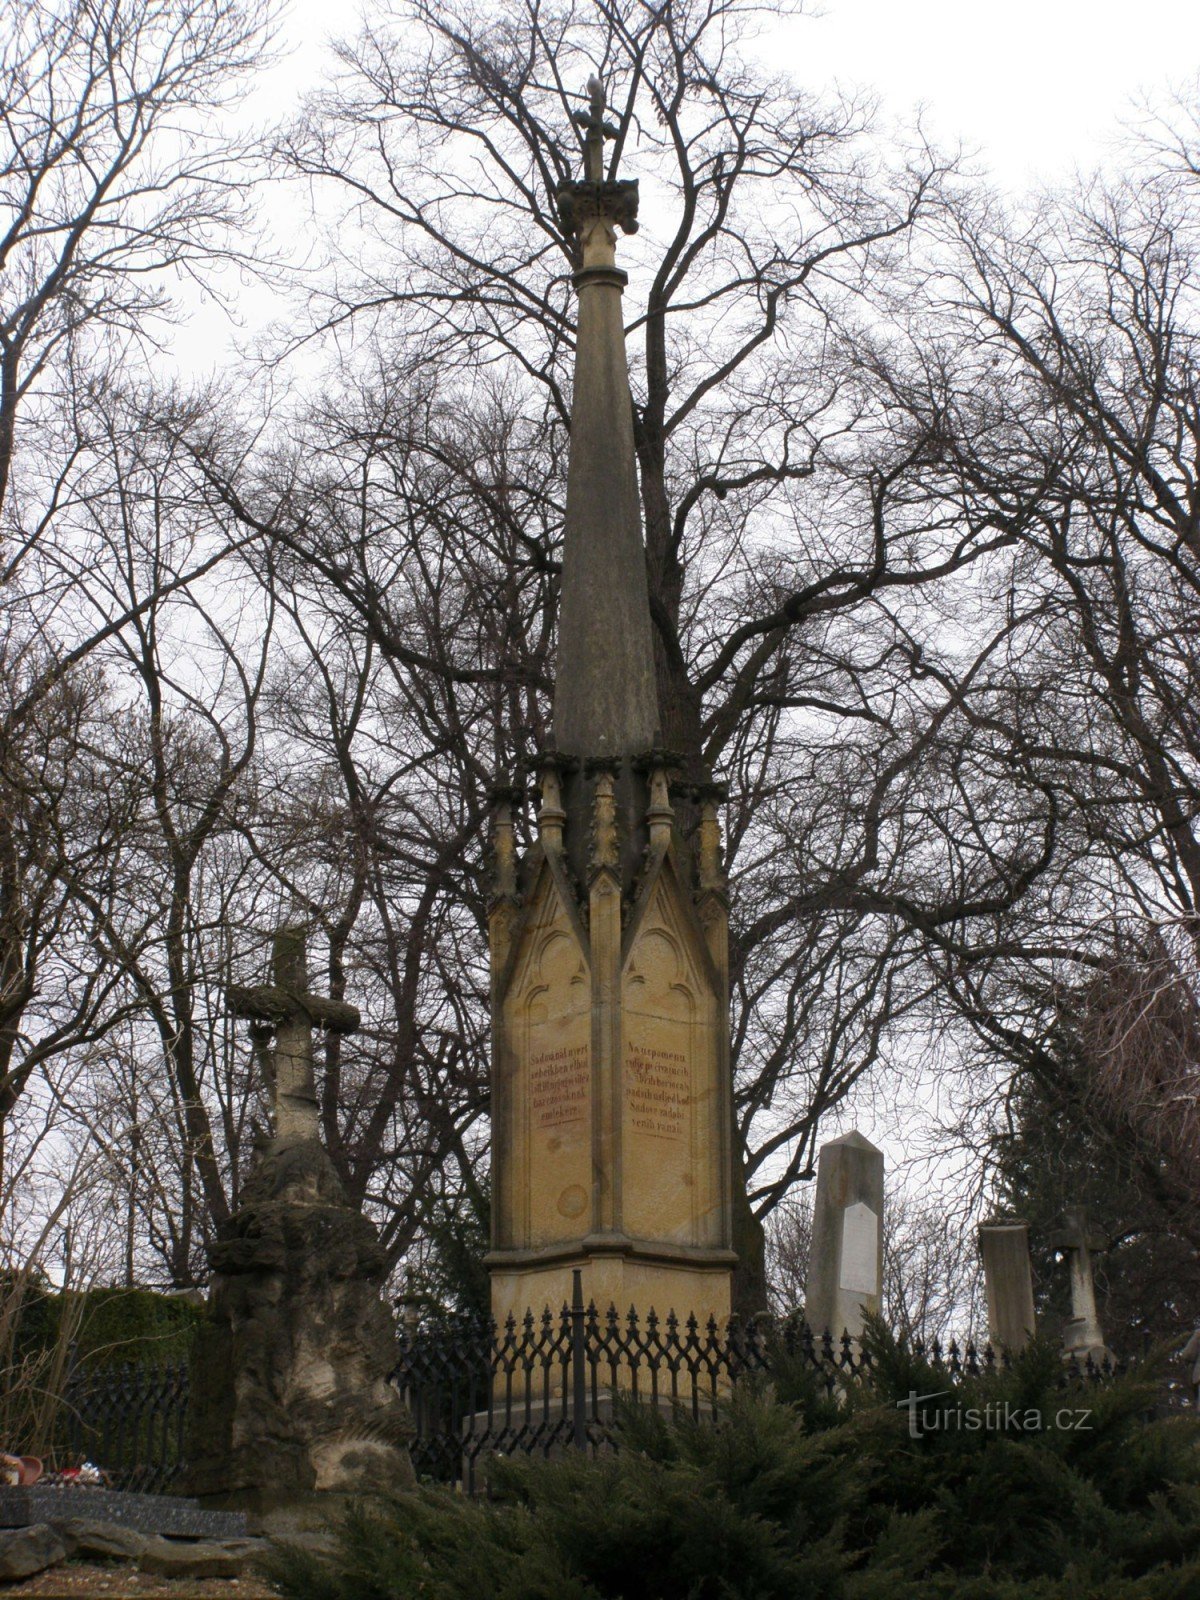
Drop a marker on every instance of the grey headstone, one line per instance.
(1083, 1338)
(1008, 1279)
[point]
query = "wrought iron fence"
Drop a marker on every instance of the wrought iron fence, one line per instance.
(129, 1421)
(547, 1383)
(534, 1387)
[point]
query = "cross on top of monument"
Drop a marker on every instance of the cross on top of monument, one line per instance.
(595, 130)
(1073, 1232)
(288, 1008)
(287, 997)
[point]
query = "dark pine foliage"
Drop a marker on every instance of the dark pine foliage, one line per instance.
(794, 1496)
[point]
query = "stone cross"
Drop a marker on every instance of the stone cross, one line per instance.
(595, 131)
(1008, 1278)
(845, 1265)
(1082, 1336)
(286, 1008)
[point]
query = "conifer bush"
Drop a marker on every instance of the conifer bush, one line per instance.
(793, 1495)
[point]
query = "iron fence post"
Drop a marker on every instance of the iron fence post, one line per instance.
(578, 1364)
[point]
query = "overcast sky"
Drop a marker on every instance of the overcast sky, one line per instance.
(1032, 89)
(1036, 86)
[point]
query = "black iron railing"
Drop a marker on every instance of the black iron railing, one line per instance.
(129, 1421)
(548, 1383)
(534, 1387)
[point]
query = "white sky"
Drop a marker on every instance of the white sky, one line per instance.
(1036, 86)
(1033, 90)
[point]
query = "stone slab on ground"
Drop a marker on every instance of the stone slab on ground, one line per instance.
(170, 1558)
(89, 1581)
(24, 1551)
(105, 1541)
(148, 1513)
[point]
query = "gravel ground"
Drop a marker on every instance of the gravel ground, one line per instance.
(80, 1578)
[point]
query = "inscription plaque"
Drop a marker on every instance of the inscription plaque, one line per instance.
(860, 1250)
(559, 1084)
(657, 1090)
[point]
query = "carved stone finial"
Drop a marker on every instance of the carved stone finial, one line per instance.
(593, 209)
(710, 871)
(660, 815)
(595, 130)
(504, 844)
(551, 815)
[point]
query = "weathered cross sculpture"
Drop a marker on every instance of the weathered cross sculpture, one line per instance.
(286, 1008)
(595, 131)
(1083, 1334)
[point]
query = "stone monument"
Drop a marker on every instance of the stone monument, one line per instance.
(1008, 1280)
(845, 1264)
(1082, 1335)
(289, 1391)
(611, 1115)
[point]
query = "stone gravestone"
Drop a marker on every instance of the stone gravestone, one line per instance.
(1082, 1335)
(289, 1391)
(845, 1267)
(1008, 1279)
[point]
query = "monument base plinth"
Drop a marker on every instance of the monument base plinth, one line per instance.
(290, 1391)
(617, 1271)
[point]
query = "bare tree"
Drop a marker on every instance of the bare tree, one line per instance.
(114, 170)
(931, 1287)
(785, 548)
(1059, 369)
(66, 812)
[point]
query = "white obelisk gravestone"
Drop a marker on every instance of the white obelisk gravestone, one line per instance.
(845, 1273)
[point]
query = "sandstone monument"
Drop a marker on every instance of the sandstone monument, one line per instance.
(610, 1036)
(289, 1391)
(845, 1271)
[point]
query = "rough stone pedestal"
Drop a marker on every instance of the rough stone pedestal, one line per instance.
(289, 1392)
(845, 1270)
(1008, 1279)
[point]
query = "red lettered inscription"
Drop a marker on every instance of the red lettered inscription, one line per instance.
(559, 1085)
(657, 1090)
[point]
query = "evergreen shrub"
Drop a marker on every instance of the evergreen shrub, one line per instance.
(797, 1496)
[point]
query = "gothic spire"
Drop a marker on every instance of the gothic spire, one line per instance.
(605, 700)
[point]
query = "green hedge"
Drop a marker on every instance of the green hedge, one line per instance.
(106, 1326)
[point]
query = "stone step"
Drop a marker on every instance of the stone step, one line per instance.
(149, 1513)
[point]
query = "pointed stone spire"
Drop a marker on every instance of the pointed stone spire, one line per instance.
(605, 700)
